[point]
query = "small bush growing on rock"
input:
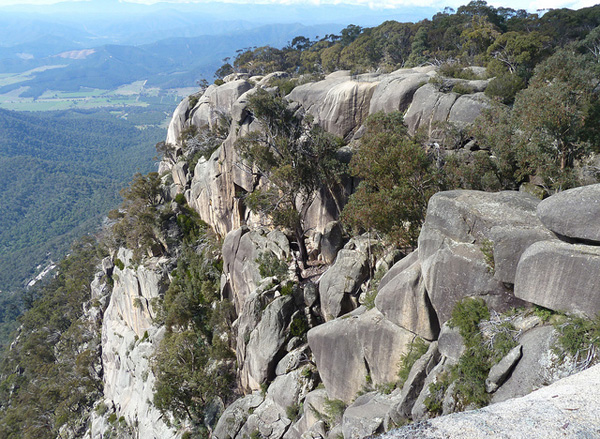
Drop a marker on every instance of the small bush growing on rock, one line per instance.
(193, 100)
(416, 349)
(543, 313)
(466, 316)
(101, 408)
(180, 199)
(481, 351)
(293, 411)
(456, 70)
(284, 85)
(580, 338)
(437, 390)
(369, 299)
(487, 248)
(119, 264)
(462, 89)
(334, 410)
(287, 289)
(270, 265)
(298, 327)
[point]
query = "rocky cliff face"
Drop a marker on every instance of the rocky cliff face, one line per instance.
(129, 337)
(335, 328)
(339, 103)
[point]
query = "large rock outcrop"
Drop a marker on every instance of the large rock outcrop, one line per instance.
(355, 349)
(561, 276)
(129, 338)
(574, 213)
(241, 267)
(459, 236)
(340, 103)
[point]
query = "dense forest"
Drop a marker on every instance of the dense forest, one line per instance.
(543, 127)
(505, 40)
(59, 174)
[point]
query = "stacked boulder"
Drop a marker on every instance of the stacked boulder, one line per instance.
(507, 248)
(562, 274)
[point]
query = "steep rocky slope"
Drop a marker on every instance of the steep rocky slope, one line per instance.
(290, 336)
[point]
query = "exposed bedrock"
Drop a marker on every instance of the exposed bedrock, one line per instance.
(561, 276)
(357, 347)
(462, 234)
(574, 213)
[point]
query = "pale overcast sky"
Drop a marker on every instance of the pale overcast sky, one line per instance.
(530, 5)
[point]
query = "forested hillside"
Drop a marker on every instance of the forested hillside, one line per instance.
(59, 174)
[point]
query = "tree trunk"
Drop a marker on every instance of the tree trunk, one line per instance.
(299, 233)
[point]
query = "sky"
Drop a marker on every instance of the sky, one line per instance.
(531, 5)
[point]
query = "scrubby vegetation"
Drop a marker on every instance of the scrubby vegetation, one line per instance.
(296, 158)
(48, 381)
(509, 42)
(579, 338)
(415, 351)
(397, 178)
(483, 349)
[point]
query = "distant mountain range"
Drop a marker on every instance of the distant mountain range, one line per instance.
(168, 45)
(167, 63)
(111, 21)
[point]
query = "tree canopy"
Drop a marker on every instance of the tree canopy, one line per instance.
(295, 160)
(397, 180)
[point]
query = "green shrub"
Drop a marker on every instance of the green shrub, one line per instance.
(462, 89)
(543, 313)
(481, 352)
(334, 409)
(369, 300)
(101, 408)
(270, 265)
(293, 411)
(193, 100)
(287, 289)
(263, 388)
(416, 350)
(578, 335)
(504, 88)
(470, 374)
(119, 264)
(285, 85)
(219, 81)
(386, 388)
(466, 315)
(180, 199)
(112, 418)
(487, 248)
(455, 70)
(433, 401)
(298, 327)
